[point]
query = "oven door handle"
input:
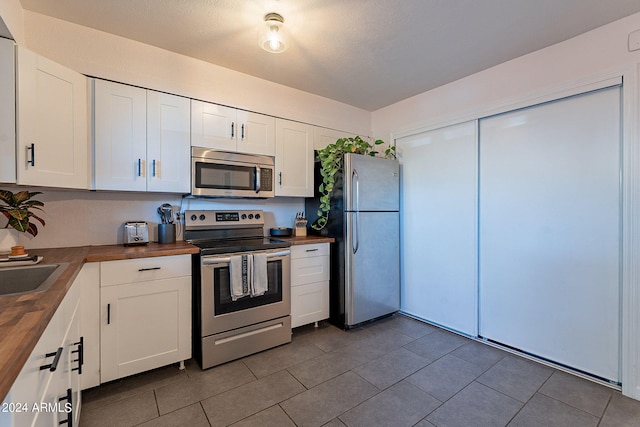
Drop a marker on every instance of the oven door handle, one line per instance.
(279, 254)
(227, 260)
(211, 261)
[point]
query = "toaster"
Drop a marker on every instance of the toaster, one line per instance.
(136, 233)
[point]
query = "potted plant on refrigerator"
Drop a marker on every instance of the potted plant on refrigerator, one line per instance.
(18, 208)
(330, 159)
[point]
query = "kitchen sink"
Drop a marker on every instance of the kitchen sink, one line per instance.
(36, 278)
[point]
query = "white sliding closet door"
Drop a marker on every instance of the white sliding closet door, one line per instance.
(439, 219)
(549, 236)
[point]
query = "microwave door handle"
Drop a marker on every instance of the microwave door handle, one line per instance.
(257, 179)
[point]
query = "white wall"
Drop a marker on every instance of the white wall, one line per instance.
(100, 54)
(590, 54)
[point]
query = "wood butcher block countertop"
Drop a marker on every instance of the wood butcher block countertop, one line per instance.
(305, 240)
(23, 318)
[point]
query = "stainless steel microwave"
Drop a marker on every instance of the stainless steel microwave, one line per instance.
(223, 174)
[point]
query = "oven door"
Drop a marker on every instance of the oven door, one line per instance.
(221, 313)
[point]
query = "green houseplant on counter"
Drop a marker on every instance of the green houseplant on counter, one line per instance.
(18, 208)
(330, 159)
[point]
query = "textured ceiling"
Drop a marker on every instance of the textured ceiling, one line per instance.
(366, 53)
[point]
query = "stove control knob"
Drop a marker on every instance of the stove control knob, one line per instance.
(193, 217)
(250, 216)
(257, 216)
(243, 216)
(202, 217)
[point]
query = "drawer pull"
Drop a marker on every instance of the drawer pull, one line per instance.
(32, 161)
(149, 269)
(69, 398)
(80, 359)
(56, 358)
(108, 314)
(312, 250)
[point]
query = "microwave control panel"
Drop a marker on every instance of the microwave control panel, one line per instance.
(266, 179)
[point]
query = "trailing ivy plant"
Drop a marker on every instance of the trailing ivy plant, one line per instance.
(331, 163)
(18, 209)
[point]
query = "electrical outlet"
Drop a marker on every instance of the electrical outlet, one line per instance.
(179, 216)
(634, 40)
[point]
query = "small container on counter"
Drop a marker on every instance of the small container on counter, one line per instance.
(166, 233)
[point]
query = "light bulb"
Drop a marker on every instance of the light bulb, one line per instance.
(274, 40)
(273, 36)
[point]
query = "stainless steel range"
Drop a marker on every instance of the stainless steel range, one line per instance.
(241, 286)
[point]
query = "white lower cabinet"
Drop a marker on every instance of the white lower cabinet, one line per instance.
(145, 314)
(47, 390)
(309, 283)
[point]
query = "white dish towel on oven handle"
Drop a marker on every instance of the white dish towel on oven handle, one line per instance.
(259, 282)
(240, 276)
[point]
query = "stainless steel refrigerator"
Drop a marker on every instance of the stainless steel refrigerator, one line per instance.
(365, 221)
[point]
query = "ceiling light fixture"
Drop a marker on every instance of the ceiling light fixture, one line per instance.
(272, 35)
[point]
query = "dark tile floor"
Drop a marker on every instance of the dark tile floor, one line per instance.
(394, 372)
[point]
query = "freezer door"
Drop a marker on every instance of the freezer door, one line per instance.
(372, 265)
(371, 183)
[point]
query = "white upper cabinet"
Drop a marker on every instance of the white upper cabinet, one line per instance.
(168, 143)
(323, 137)
(141, 139)
(228, 129)
(52, 123)
(294, 159)
(7, 112)
(120, 137)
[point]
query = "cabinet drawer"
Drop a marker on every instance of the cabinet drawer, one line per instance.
(306, 251)
(309, 303)
(309, 270)
(144, 269)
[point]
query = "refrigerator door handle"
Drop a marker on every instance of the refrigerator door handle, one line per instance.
(355, 178)
(356, 240)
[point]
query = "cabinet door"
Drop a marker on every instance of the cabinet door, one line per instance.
(120, 137)
(144, 326)
(294, 159)
(74, 346)
(213, 126)
(52, 119)
(256, 133)
(168, 143)
(323, 137)
(7, 112)
(89, 280)
(309, 303)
